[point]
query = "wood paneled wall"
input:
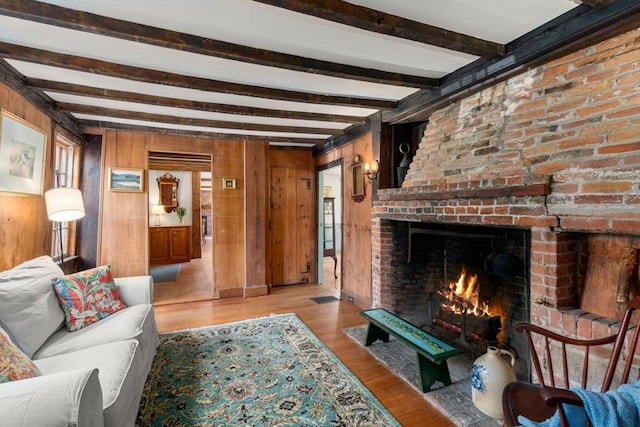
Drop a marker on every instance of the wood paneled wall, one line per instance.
(25, 231)
(256, 190)
(228, 217)
(124, 216)
(356, 227)
(123, 232)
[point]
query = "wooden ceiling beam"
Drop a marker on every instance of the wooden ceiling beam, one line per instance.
(188, 121)
(98, 124)
(83, 21)
(13, 79)
(384, 23)
(117, 95)
(96, 66)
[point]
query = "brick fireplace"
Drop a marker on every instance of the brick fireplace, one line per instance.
(466, 284)
(552, 154)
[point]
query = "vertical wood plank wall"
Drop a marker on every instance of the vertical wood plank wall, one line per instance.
(227, 207)
(25, 231)
(256, 205)
(124, 216)
(356, 223)
(124, 221)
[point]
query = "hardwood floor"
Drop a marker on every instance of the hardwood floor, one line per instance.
(195, 281)
(327, 321)
(329, 267)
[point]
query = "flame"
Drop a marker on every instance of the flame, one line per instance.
(464, 296)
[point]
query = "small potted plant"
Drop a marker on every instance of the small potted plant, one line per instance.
(181, 212)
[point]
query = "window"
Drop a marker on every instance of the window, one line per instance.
(66, 175)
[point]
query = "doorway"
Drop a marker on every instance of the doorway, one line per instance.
(330, 227)
(189, 279)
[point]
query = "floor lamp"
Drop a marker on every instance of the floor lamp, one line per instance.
(63, 205)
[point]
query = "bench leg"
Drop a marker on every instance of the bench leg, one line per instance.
(374, 333)
(431, 372)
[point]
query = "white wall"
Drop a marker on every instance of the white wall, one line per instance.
(184, 197)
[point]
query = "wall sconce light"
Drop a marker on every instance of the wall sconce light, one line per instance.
(157, 210)
(371, 170)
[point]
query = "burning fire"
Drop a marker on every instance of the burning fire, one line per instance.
(464, 296)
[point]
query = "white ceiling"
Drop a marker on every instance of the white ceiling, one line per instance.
(271, 28)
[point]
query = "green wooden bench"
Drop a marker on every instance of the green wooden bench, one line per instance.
(432, 352)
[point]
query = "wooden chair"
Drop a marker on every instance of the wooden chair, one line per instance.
(539, 402)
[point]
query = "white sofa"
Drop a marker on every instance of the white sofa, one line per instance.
(90, 377)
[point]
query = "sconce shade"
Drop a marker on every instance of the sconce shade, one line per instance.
(64, 204)
(371, 170)
(157, 209)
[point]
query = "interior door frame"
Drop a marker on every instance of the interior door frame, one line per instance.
(320, 169)
(186, 166)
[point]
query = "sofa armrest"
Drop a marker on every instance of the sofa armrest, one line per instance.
(135, 290)
(65, 398)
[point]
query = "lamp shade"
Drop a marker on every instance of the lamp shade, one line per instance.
(157, 209)
(64, 204)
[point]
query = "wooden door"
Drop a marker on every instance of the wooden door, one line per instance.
(180, 244)
(292, 230)
(158, 245)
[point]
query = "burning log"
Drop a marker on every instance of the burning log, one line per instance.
(463, 296)
(628, 267)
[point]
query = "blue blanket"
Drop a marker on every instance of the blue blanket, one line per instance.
(615, 408)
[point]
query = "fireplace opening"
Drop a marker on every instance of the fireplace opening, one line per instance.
(466, 284)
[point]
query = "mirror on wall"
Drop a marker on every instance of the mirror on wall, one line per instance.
(357, 176)
(168, 192)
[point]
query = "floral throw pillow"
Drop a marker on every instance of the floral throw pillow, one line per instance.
(87, 296)
(14, 364)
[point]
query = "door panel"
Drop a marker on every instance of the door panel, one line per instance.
(292, 233)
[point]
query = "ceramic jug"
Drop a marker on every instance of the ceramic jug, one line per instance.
(490, 373)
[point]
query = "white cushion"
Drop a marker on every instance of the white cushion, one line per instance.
(128, 323)
(29, 307)
(113, 361)
(70, 398)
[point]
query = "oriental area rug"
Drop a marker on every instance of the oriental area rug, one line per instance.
(270, 371)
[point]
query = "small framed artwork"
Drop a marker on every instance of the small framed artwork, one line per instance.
(22, 155)
(326, 191)
(126, 179)
(228, 183)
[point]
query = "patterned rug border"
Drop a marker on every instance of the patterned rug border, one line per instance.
(294, 319)
(235, 322)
